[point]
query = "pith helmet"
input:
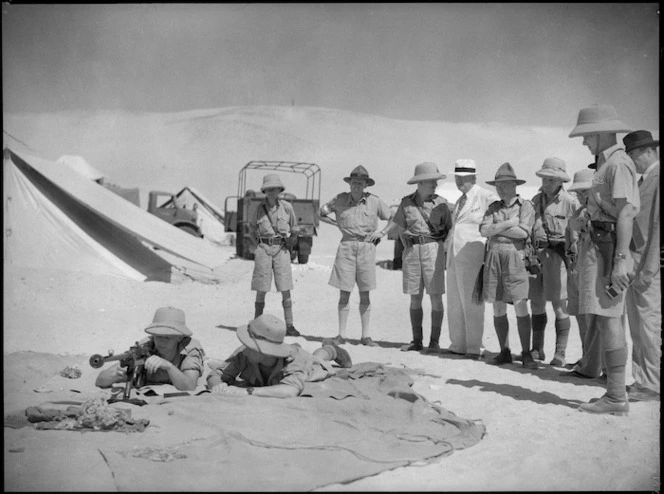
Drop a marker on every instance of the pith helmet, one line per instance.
(598, 119)
(583, 180)
(265, 334)
(168, 321)
(426, 171)
(272, 180)
(553, 168)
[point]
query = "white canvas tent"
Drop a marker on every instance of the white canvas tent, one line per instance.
(56, 218)
(210, 217)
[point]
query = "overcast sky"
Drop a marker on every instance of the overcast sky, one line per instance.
(521, 64)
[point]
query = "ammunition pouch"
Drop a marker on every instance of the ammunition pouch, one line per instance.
(531, 260)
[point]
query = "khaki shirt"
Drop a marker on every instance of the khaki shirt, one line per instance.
(294, 370)
(500, 211)
(411, 220)
(357, 219)
(556, 215)
(189, 357)
(282, 222)
(615, 178)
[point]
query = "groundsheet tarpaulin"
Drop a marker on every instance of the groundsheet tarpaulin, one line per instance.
(363, 421)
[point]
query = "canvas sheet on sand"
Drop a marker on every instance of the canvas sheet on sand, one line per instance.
(363, 421)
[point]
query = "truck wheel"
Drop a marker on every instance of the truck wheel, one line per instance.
(302, 258)
(189, 229)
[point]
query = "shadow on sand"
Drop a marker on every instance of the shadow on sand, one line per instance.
(517, 392)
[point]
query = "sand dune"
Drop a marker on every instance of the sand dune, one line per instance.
(207, 148)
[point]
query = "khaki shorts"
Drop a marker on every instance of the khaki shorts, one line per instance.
(505, 275)
(270, 259)
(355, 263)
(423, 265)
(551, 284)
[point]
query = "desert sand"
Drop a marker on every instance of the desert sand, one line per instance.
(536, 438)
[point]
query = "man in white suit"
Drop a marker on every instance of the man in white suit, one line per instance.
(465, 255)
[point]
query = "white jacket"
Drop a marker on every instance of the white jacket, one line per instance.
(466, 227)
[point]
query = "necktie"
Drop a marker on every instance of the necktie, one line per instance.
(462, 203)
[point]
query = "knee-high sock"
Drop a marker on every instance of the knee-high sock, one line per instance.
(562, 334)
(288, 311)
(523, 325)
(365, 319)
(343, 318)
(436, 325)
(416, 316)
(258, 309)
(539, 325)
(502, 326)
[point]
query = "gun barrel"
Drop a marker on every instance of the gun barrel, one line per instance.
(96, 361)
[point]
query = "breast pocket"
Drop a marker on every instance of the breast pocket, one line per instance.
(283, 222)
(264, 225)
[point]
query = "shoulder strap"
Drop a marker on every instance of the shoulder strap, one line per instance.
(425, 217)
(544, 225)
(269, 216)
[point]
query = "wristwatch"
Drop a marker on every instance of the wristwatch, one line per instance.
(250, 390)
(620, 256)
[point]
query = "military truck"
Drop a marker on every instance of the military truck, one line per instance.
(247, 201)
(165, 205)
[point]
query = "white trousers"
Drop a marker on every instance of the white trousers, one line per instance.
(465, 318)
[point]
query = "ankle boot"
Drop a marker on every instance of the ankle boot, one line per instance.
(539, 324)
(436, 325)
(614, 402)
(562, 333)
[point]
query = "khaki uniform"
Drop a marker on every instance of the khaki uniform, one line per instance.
(355, 262)
(271, 254)
(189, 356)
(294, 370)
(615, 178)
(423, 263)
(505, 275)
(551, 283)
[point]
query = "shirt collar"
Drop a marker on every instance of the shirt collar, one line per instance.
(517, 199)
(606, 154)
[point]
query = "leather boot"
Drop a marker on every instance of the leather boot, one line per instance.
(539, 324)
(416, 316)
(562, 333)
(614, 402)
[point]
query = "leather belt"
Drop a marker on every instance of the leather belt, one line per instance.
(271, 240)
(423, 239)
(518, 243)
(607, 226)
